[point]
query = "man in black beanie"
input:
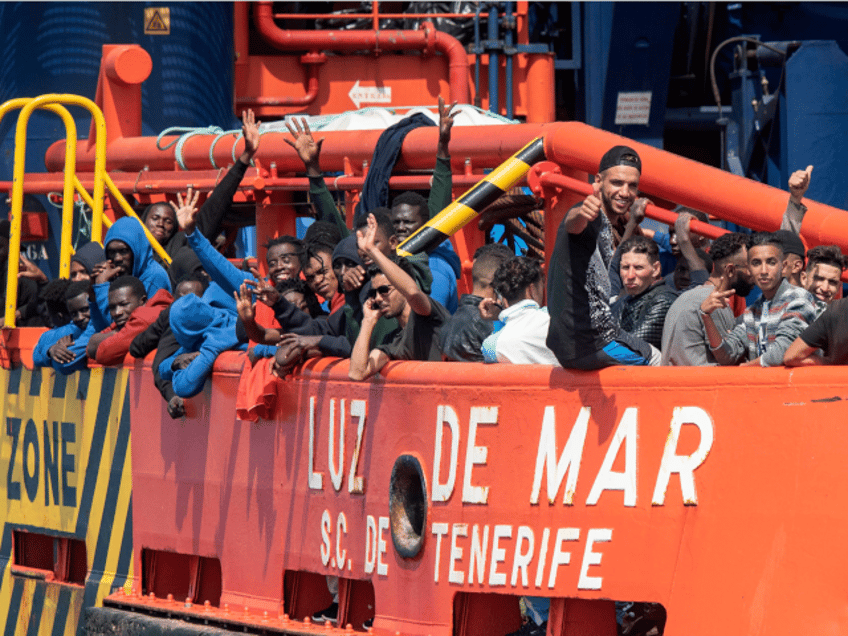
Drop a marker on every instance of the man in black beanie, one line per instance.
(583, 333)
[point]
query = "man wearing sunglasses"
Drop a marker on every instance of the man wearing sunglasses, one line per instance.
(394, 294)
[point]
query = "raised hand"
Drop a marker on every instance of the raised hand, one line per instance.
(681, 227)
(244, 304)
(578, 218)
(637, 211)
(250, 132)
(307, 148)
(446, 115)
(799, 181)
(366, 237)
(186, 210)
(265, 292)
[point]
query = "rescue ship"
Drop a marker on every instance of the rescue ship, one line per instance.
(437, 493)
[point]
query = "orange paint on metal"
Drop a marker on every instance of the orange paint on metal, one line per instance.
(368, 40)
(489, 146)
(123, 69)
(633, 532)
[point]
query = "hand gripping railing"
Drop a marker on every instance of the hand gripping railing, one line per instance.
(53, 103)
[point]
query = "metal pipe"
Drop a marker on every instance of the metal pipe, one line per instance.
(311, 93)
(370, 16)
(173, 182)
(492, 36)
(508, 97)
(698, 185)
(487, 146)
(421, 40)
(477, 54)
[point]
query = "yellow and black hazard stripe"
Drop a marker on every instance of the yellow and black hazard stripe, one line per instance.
(96, 402)
(469, 205)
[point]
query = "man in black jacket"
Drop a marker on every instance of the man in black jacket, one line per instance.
(461, 338)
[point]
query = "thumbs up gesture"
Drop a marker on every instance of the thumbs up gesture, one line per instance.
(592, 204)
(799, 181)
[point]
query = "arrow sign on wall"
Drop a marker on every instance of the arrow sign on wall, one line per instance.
(371, 94)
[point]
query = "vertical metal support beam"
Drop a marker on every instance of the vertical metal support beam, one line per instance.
(597, 21)
(508, 53)
(491, 45)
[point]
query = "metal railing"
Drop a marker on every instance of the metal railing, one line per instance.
(55, 103)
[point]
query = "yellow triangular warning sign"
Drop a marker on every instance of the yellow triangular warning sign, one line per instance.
(157, 21)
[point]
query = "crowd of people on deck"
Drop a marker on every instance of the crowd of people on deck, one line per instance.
(617, 292)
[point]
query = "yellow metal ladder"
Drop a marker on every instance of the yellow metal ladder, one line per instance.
(55, 103)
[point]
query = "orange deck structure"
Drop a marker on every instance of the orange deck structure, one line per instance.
(438, 493)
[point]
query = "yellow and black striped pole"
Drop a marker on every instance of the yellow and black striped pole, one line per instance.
(469, 205)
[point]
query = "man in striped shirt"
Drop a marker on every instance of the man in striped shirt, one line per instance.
(772, 323)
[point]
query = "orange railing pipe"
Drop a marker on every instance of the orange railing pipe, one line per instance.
(485, 146)
(422, 40)
(697, 185)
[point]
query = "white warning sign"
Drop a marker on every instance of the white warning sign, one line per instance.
(633, 108)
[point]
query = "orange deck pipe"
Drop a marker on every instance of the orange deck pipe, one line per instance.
(698, 185)
(426, 39)
(44, 183)
(486, 146)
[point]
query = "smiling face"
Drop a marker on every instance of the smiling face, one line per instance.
(79, 310)
(619, 189)
(283, 262)
(121, 256)
(122, 302)
(161, 221)
(766, 265)
(638, 272)
(822, 281)
(319, 275)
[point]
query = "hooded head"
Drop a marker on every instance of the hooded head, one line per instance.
(185, 263)
(192, 319)
(85, 259)
(130, 232)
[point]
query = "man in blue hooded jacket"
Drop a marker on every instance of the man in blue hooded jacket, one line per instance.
(128, 253)
(203, 332)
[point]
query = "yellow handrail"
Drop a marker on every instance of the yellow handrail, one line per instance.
(52, 102)
(17, 206)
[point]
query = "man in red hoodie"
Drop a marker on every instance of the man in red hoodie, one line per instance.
(131, 313)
